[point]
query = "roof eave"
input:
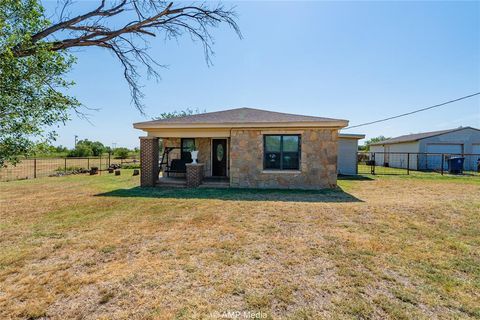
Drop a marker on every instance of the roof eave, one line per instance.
(394, 142)
(301, 124)
(351, 136)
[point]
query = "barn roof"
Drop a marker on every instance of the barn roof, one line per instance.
(418, 136)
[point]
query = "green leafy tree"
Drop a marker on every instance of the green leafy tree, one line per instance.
(97, 147)
(32, 88)
(81, 150)
(61, 149)
(45, 149)
(121, 153)
(34, 56)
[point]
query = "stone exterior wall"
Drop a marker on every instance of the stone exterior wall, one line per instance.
(204, 151)
(204, 154)
(318, 163)
(149, 153)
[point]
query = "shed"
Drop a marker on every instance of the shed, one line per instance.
(426, 149)
(347, 153)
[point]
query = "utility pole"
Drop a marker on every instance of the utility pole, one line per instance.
(76, 139)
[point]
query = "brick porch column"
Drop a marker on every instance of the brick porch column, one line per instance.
(194, 174)
(149, 150)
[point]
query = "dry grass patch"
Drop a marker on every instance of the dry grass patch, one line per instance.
(100, 248)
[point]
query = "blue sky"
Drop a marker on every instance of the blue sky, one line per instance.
(359, 61)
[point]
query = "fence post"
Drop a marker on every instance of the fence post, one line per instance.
(88, 163)
(408, 163)
(372, 168)
(443, 160)
(34, 168)
(65, 165)
(100, 167)
(109, 155)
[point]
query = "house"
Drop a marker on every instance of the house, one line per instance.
(247, 148)
(347, 162)
(424, 151)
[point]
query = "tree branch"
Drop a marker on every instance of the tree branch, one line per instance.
(150, 18)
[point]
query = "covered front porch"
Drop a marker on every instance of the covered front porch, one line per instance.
(167, 160)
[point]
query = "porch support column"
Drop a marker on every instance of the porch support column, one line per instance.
(149, 152)
(194, 174)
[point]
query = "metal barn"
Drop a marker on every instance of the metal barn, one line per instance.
(425, 151)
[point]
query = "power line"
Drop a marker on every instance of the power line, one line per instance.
(412, 112)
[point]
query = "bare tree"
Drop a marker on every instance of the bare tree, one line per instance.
(129, 41)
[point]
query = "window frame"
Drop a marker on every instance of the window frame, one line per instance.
(299, 136)
(182, 152)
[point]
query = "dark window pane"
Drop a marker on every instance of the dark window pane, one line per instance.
(272, 160)
(290, 161)
(187, 146)
(290, 143)
(272, 143)
(282, 152)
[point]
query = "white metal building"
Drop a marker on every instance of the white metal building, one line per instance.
(347, 153)
(427, 149)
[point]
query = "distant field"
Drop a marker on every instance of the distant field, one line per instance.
(378, 247)
(49, 166)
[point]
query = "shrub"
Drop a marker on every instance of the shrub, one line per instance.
(97, 147)
(121, 153)
(70, 169)
(81, 150)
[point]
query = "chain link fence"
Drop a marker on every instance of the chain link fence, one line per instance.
(31, 168)
(397, 163)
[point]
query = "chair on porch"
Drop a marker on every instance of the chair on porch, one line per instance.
(175, 165)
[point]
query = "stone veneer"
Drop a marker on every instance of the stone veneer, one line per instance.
(149, 149)
(318, 163)
(204, 154)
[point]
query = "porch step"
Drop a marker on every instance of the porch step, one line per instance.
(171, 182)
(215, 184)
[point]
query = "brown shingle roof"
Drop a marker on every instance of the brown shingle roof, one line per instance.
(418, 136)
(239, 116)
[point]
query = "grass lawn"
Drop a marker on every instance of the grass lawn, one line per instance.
(90, 247)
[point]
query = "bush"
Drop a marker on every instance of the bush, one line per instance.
(97, 147)
(131, 166)
(121, 153)
(71, 169)
(81, 150)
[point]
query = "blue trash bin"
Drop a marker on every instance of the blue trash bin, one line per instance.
(455, 165)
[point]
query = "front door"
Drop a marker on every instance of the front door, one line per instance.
(219, 157)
